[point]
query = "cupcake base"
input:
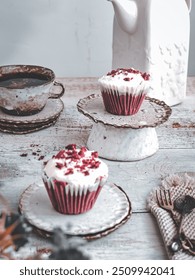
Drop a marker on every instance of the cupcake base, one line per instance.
(70, 203)
(127, 104)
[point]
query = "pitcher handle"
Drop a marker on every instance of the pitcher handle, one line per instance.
(60, 94)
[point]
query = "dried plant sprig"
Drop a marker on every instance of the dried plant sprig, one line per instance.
(13, 231)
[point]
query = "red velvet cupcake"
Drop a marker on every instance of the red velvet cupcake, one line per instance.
(73, 179)
(124, 90)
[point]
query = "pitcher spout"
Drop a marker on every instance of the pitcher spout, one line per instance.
(188, 2)
(126, 13)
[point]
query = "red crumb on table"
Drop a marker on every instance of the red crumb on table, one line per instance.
(23, 155)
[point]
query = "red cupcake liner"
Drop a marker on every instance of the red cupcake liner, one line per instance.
(127, 104)
(67, 203)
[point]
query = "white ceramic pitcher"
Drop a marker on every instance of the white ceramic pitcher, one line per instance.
(153, 36)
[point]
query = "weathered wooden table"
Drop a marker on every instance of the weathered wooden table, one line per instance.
(139, 238)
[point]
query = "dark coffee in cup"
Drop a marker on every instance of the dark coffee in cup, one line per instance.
(22, 80)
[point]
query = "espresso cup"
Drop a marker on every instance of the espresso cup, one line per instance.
(25, 89)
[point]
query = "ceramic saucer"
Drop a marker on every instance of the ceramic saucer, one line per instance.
(51, 110)
(14, 129)
(27, 124)
(111, 210)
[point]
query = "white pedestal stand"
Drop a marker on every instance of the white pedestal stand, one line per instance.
(124, 138)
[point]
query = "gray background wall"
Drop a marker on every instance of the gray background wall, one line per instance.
(73, 37)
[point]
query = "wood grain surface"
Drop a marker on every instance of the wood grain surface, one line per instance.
(22, 156)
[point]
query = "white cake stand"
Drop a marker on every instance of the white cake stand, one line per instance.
(124, 138)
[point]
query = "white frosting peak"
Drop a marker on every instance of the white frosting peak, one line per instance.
(76, 166)
(125, 81)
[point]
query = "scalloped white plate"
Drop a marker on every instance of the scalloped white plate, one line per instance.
(112, 209)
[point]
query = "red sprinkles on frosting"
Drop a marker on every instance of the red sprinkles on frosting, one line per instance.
(73, 154)
(128, 79)
(71, 147)
(69, 171)
(61, 154)
(59, 165)
(125, 71)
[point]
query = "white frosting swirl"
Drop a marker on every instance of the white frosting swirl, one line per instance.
(125, 81)
(76, 167)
